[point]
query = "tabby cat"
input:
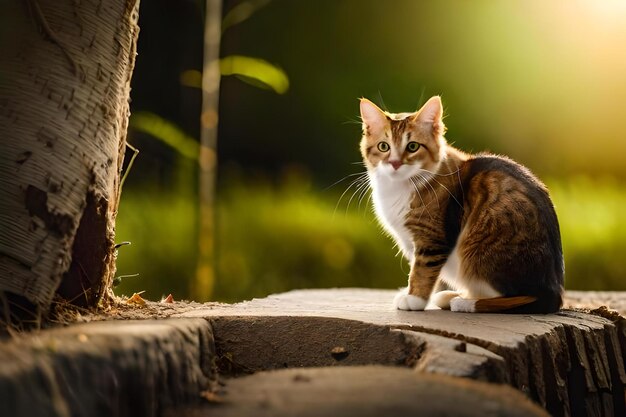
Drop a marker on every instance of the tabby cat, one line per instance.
(480, 231)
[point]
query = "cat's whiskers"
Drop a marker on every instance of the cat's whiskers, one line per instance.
(345, 178)
(444, 187)
(422, 212)
(369, 198)
(426, 182)
(441, 175)
(451, 195)
(352, 121)
(365, 192)
(362, 187)
(425, 207)
(358, 182)
(402, 262)
(456, 171)
(458, 174)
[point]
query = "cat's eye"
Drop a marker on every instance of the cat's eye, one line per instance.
(412, 146)
(383, 146)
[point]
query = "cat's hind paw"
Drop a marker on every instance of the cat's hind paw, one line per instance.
(405, 301)
(442, 299)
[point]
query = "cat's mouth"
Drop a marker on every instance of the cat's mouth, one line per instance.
(395, 170)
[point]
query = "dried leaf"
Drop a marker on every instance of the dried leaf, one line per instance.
(136, 299)
(211, 397)
(168, 300)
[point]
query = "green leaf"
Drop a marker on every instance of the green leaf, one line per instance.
(167, 132)
(255, 69)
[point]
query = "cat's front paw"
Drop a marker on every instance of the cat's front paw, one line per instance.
(405, 301)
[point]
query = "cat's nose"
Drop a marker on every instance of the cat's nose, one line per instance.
(395, 164)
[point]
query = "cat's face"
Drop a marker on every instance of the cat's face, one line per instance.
(400, 146)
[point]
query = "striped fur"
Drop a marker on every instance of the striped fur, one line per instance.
(480, 225)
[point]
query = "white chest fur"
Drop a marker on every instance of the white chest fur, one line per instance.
(392, 199)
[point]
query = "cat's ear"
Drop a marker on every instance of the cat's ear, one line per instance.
(431, 116)
(374, 119)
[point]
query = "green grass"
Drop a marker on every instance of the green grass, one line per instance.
(162, 232)
(270, 239)
(273, 239)
(593, 230)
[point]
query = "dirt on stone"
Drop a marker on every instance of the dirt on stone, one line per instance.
(120, 308)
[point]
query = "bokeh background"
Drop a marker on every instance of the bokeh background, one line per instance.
(541, 81)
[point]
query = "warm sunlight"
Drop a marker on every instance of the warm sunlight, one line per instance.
(608, 10)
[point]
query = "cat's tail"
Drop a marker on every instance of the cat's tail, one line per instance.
(519, 304)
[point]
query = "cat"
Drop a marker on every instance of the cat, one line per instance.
(479, 231)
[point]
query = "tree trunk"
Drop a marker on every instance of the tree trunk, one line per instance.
(571, 363)
(205, 270)
(65, 71)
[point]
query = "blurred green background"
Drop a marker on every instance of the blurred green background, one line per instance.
(541, 81)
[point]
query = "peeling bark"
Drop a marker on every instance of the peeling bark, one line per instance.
(64, 86)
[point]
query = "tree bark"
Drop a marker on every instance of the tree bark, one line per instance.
(65, 72)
